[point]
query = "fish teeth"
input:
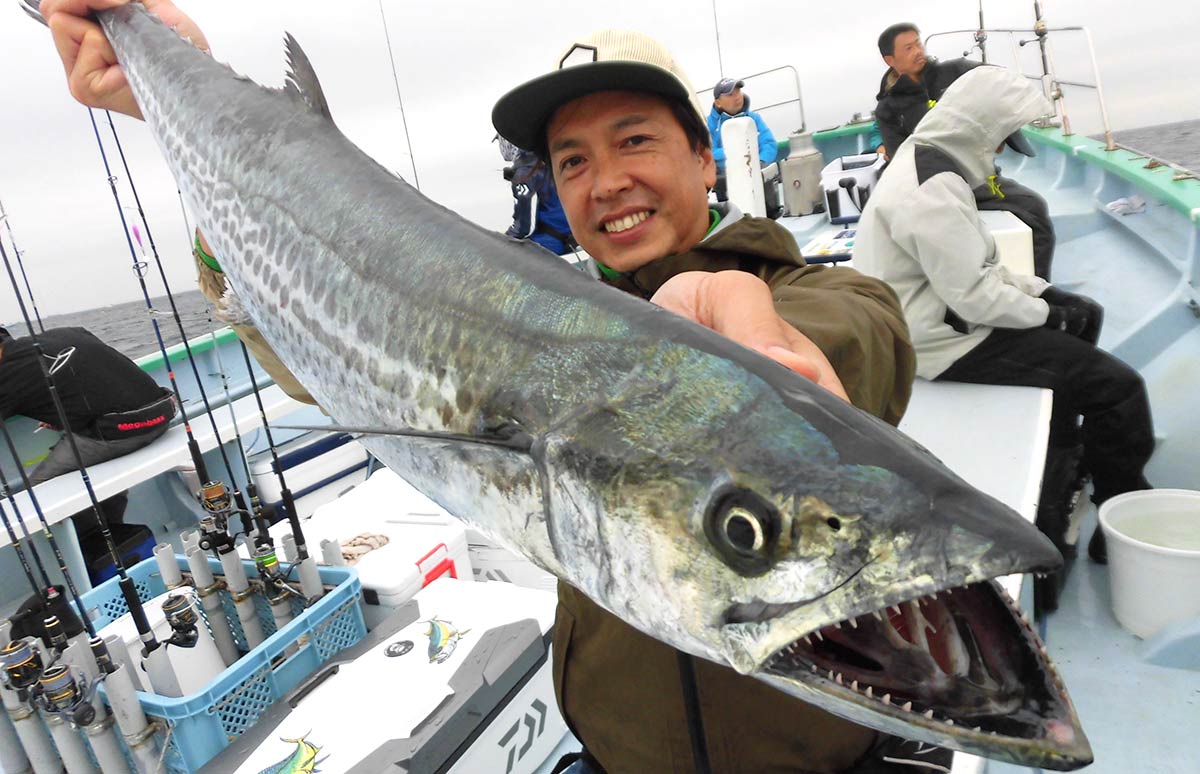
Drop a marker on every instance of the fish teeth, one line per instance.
(853, 623)
(854, 685)
(929, 714)
(886, 698)
(870, 693)
(837, 624)
(818, 635)
(877, 614)
(838, 678)
(906, 706)
(894, 609)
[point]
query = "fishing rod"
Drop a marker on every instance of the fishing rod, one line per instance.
(128, 589)
(278, 592)
(214, 495)
(66, 699)
(187, 347)
(310, 580)
(39, 589)
(21, 265)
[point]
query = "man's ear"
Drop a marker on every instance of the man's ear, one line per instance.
(708, 167)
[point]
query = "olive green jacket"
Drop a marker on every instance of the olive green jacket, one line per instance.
(619, 689)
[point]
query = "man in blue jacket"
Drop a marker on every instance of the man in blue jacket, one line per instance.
(729, 101)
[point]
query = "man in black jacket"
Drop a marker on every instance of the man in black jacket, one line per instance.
(912, 86)
(112, 406)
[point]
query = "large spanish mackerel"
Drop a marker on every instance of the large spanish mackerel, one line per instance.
(705, 494)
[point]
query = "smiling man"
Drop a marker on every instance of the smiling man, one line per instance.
(631, 156)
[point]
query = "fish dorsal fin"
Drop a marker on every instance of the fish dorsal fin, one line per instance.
(302, 78)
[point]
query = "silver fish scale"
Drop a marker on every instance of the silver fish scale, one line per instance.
(395, 313)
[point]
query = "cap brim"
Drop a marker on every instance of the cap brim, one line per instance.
(1017, 142)
(521, 115)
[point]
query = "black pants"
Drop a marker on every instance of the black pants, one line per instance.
(1117, 433)
(1033, 212)
(770, 195)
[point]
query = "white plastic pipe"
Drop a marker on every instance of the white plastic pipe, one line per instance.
(12, 755)
(71, 748)
(105, 745)
(118, 653)
(331, 553)
(288, 542)
(24, 744)
(131, 719)
(164, 554)
(310, 580)
(210, 600)
(35, 741)
(243, 601)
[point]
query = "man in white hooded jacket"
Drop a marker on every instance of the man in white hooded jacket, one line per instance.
(973, 321)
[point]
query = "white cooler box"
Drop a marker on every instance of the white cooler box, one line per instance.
(491, 562)
(425, 542)
(318, 468)
(458, 681)
(848, 182)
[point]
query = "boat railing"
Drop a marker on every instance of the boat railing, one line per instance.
(1051, 83)
(761, 77)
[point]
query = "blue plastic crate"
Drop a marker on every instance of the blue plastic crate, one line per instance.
(204, 723)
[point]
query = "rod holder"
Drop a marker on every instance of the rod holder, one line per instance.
(210, 600)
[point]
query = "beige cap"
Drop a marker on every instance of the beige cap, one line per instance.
(609, 60)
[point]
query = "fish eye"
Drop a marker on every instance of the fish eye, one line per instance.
(743, 529)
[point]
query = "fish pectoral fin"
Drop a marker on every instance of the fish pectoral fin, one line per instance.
(519, 443)
(302, 79)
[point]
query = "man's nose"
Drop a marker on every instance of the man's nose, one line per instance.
(611, 178)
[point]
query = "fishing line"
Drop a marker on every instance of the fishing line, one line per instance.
(38, 589)
(251, 489)
(39, 354)
(187, 347)
(193, 447)
(285, 494)
(396, 80)
(21, 265)
(58, 555)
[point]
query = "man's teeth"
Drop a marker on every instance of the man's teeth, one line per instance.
(625, 223)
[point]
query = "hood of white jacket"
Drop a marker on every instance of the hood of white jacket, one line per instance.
(974, 115)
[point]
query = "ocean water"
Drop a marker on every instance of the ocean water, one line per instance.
(127, 327)
(1178, 143)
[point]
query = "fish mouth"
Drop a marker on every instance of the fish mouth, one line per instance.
(961, 668)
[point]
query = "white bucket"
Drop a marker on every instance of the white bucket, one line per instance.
(1153, 557)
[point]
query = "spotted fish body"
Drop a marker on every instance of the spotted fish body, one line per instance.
(614, 444)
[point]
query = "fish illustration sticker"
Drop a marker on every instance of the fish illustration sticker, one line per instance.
(303, 760)
(443, 639)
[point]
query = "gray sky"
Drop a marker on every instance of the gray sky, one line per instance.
(455, 57)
